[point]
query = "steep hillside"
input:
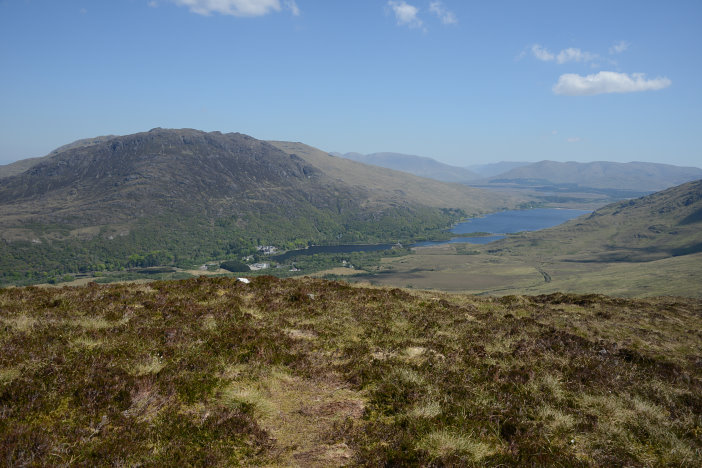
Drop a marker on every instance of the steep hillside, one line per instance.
(637, 176)
(417, 165)
(19, 167)
(215, 372)
(664, 224)
(152, 173)
(185, 194)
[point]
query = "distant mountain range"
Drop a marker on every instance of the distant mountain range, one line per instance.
(627, 179)
(638, 176)
(189, 194)
(418, 165)
(493, 169)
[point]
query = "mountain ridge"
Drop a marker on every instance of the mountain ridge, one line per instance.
(417, 188)
(417, 165)
(23, 165)
(641, 176)
(492, 169)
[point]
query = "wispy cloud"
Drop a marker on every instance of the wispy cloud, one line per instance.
(574, 55)
(292, 6)
(238, 7)
(604, 82)
(619, 47)
(542, 53)
(570, 54)
(446, 16)
(405, 14)
(573, 139)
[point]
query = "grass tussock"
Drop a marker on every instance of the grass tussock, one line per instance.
(446, 444)
(211, 371)
(152, 365)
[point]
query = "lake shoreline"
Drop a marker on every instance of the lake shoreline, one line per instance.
(511, 222)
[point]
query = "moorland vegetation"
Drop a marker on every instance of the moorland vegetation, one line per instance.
(213, 371)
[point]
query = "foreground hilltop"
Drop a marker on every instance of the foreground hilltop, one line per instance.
(186, 195)
(316, 373)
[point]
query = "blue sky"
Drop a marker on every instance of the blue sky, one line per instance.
(462, 82)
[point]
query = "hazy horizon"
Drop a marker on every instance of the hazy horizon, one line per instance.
(472, 164)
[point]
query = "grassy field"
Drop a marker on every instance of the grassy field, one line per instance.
(470, 269)
(307, 372)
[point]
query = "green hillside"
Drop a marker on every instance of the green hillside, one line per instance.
(313, 373)
(664, 224)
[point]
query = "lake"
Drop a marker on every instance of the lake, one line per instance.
(507, 222)
(497, 224)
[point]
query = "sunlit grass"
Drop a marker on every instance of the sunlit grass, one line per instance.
(445, 443)
(153, 365)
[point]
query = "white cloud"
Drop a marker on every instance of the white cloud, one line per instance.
(542, 53)
(152, 3)
(405, 13)
(619, 47)
(446, 16)
(573, 139)
(603, 82)
(574, 55)
(237, 7)
(566, 55)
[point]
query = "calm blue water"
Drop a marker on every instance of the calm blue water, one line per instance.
(504, 222)
(507, 222)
